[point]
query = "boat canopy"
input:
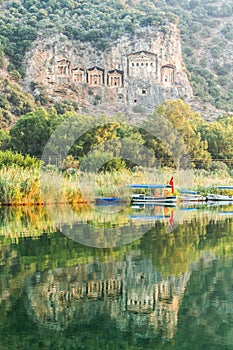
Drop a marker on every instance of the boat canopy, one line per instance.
(187, 192)
(149, 217)
(226, 213)
(149, 186)
(225, 187)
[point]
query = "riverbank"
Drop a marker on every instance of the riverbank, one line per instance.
(19, 186)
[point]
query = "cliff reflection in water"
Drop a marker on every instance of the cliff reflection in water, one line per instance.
(130, 292)
(139, 291)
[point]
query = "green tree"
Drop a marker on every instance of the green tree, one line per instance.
(4, 139)
(218, 135)
(30, 134)
(179, 135)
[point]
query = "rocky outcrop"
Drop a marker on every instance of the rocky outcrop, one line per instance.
(140, 69)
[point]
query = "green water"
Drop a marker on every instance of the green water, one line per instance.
(168, 288)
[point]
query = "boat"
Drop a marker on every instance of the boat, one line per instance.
(148, 197)
(226, 213)
(153, 205)
(190, 196)
(152, 212)
(219, 203)
(108, 200)
(148, 217)
(221, 197)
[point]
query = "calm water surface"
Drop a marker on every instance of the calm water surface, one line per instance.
(164, 282)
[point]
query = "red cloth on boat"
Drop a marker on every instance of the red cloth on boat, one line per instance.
(171, 182)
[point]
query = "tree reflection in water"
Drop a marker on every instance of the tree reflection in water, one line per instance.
(164, 290)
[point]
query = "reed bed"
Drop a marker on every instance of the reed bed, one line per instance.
(19, 186)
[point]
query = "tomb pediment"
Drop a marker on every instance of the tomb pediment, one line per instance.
(115, 72)
(63, 61)
(142, 56)
(77, 69)
(169, 66)
(95, 69)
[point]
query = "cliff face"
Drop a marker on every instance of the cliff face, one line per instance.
(140, 69)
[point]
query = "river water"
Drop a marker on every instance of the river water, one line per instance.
(113, 278)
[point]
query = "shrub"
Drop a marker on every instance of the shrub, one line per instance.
(9, 158)
(217, 166)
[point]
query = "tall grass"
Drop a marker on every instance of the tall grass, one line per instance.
(31, 186)
(19, 185)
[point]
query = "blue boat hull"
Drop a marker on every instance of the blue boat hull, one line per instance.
(108, 200)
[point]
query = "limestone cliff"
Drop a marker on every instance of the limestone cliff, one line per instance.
(140, 69)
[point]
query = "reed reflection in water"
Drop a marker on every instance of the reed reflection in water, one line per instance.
(165, 290)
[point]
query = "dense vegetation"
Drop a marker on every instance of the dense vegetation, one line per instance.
(92, 20)
(206, 32)
(208, 23)
(106, 142)
(8, 159)
(110, 152)
(14, 102)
